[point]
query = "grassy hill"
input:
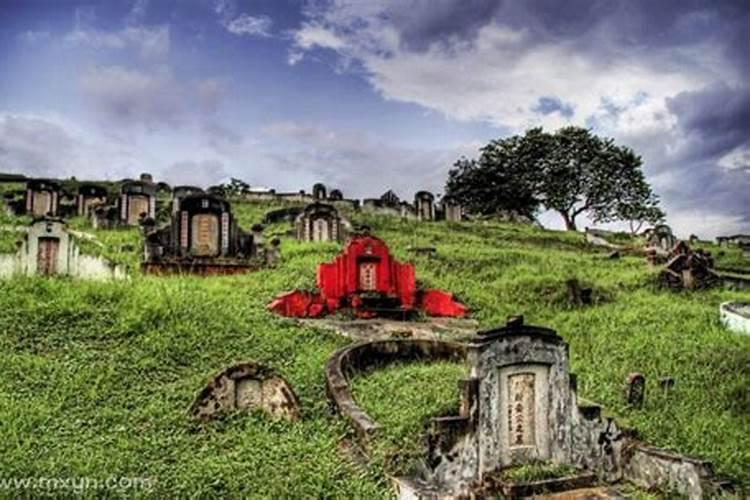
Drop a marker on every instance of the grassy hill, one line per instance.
(97, 377)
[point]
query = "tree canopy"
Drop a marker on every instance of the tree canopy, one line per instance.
(571, 171)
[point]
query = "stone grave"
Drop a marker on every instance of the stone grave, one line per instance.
(48, 249)
(424, 205)
(319, 192)
(452, 210)
(202, 238)
(90, 196)
(661, 239)
(366, 281)
(42, 198)
(519, 408)
(247, 387)
(321, 222)
(137, 202)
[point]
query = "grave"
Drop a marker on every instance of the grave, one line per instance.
(366, 281)
(452, 210)
(180, 192)
(424, 205)
(736, 316)
(137, 202)
(319, 192)
(635, 389)
(321, 222)
(519, 408)
(90, 196)
(48, 249)
(42, 198)
(661, 239)
(247, 387)
(202, 238)
(336, 195)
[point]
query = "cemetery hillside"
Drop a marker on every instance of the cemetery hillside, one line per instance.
(121, 375)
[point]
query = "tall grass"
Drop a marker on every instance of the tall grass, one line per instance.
(97, 377)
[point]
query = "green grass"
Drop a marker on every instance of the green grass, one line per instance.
(97, 377)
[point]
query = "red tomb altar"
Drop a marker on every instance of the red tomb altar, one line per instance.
(367, 280)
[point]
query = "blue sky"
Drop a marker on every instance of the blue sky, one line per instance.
(370, 95)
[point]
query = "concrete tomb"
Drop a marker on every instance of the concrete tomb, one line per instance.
(202, 238)
(661, 239)
(48, 249)
(451, 209)
(319, 192)
(90, 196)
(336, 195)
(42, 198)
(247, 387)
(137, 202)
(366, 281)
(519, 408)
(321, 222)
(424, 205)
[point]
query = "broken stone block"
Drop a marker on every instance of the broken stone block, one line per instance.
(247, 387)
(635, 389)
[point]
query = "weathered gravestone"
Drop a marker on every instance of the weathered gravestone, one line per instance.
(247, 387)
(319, 192)
(451, 208)
(202, 238)
(661, 239)
(90, 196)
(137, 202)
(42, 198)
(321, 222)
(424, 205)
(518, 408)
(48, 249)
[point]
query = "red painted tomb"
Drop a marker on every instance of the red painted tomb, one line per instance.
(366, 280)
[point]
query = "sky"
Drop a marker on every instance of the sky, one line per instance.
(367, 95)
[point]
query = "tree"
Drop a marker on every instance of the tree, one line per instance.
(572, 172)
(501, 180)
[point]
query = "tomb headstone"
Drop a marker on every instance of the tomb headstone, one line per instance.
(247, 387)
(321, 222)
(90, 196)
(137, 202)
(202, 238)
(424, 205)
(42, 198)
(452, 210)
(319, 191)
(336, 195)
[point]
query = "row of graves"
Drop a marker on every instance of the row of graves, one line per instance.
(424, 207)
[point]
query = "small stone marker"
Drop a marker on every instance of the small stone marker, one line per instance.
(578, 296)
(666, 384)
(614, 255)
(635, 389)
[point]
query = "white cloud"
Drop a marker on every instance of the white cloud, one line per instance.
(246, 24)
(359, 164)
(737, 159)
(126, 96)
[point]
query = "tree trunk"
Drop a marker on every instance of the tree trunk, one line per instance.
(570, 221)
